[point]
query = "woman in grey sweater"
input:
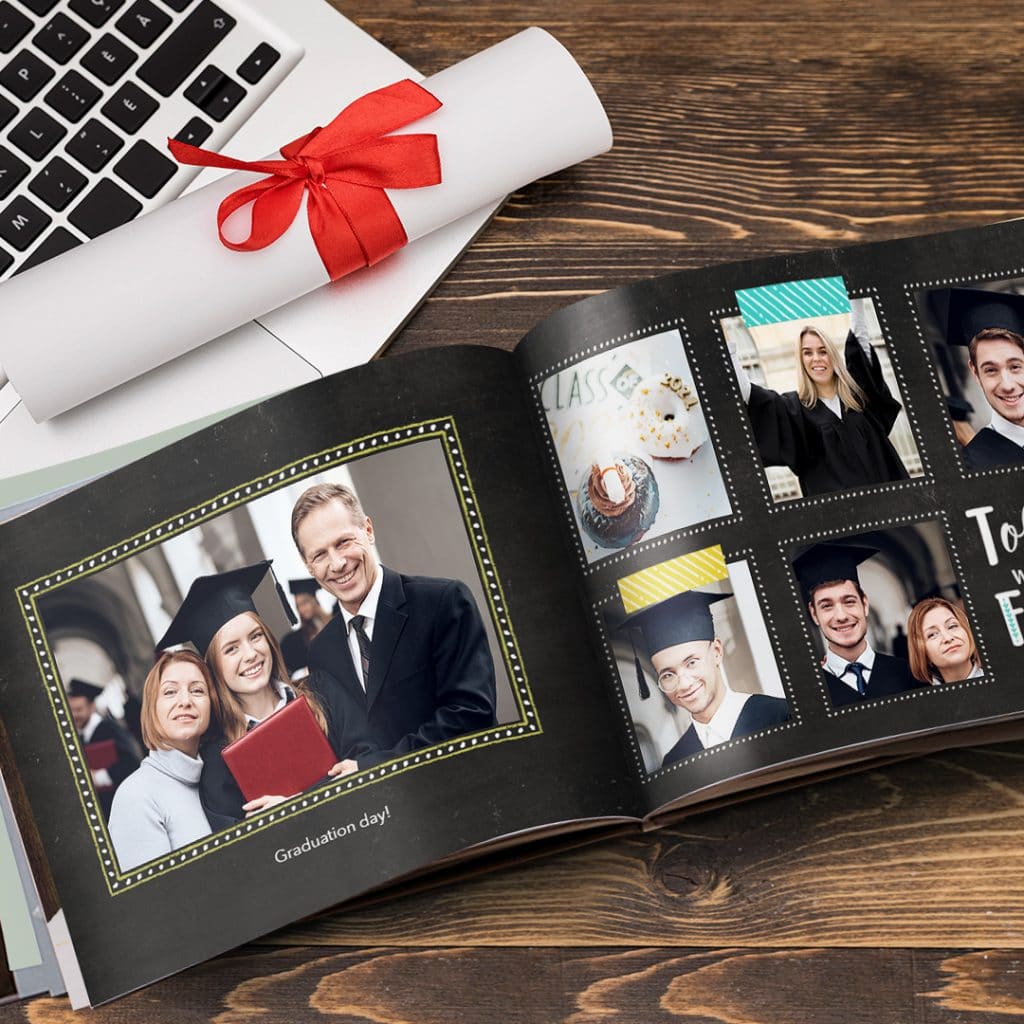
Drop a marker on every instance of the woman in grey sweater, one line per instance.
(157, 809)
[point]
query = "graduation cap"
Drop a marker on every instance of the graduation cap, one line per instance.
(678, 619)
(959, 408)
(971, 310)
(829, 563)
(214, 600)
(307, 585)
(80, 688)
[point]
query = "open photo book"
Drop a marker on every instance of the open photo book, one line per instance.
(696, 536)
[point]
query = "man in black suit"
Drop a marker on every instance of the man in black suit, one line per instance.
(991, 326)
(107, 747)
(679, 636)
(852, 670)
(407, 662)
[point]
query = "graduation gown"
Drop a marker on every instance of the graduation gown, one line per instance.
(295, 650)
(888, 676)
(988, 448)
(221, 797)
(759, 712)
(125, 764)
(828, 452)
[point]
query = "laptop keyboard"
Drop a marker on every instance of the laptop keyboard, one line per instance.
(90, 90)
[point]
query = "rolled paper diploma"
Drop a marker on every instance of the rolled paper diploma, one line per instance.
(164, 284)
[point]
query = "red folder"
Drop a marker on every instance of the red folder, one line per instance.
(101, 754)
(282, 756)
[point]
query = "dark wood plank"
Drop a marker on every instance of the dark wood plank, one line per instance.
(576, 986)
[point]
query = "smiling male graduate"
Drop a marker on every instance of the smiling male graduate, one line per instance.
(853, 671)
(991, 326)
(679, 637)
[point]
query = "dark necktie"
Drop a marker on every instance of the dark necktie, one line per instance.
(858, 671)
(364, 647)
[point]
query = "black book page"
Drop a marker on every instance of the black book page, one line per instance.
(715, 512)
(439, 448)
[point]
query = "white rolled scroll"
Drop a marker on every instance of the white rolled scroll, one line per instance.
(162, 285)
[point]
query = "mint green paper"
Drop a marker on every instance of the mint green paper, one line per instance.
(15, 917)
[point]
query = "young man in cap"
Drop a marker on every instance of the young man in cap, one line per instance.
(991, 326)
(409, 653)
(679, 636)
(312, 618)
(107, 748)
(852, 670)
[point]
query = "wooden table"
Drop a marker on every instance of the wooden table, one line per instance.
(742, 129)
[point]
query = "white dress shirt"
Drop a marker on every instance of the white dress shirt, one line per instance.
(284, 694)
(368, 610)
(723, 721)
(100, 776)
(1011, 431)
(839, 667)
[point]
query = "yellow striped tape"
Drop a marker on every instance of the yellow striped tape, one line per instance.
(676, 576)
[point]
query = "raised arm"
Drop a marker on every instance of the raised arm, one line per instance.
(866, 370)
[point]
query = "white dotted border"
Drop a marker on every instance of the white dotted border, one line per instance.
(795, 719)
(933, 375)
(775, 507)
(785, 548)
(626, 554)
(29, 593)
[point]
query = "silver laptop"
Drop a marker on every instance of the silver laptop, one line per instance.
(89, 92)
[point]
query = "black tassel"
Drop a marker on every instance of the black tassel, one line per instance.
(641, 679)
(284, 600)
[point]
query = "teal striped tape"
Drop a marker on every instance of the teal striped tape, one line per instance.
(794, 300)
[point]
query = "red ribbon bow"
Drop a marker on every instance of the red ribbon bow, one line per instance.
(345, 167)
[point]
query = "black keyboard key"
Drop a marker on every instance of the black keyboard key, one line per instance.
(226, 97)
(40, 6)
(61, 38)
(202, 88)
(93, 145)
(96, 12)
(109, 59)
(195, 133)
(25, 75)
(22, 222)
(73, 96)
(57, 241)
(14, 26)
(57, 183)
(12, 170)
(186, 47)
(8, 111)
(106, 206)
(130, 108)
(143, 22)
(6, 259)
(37, 133)
(177, 5)
(258, 63)
(145, 168)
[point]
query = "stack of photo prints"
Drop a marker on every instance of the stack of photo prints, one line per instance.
(698, 535)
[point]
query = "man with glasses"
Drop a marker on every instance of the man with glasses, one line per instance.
(679, 636)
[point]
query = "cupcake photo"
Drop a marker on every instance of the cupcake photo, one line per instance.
(633, 444)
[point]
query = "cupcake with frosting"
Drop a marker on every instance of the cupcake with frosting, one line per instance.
(617, 501)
